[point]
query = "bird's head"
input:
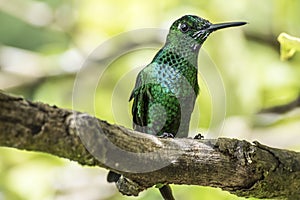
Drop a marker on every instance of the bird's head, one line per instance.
(191, 31)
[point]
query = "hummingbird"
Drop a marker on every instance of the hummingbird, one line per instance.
(165, 91)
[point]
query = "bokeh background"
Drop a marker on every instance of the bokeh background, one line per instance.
(44, 44)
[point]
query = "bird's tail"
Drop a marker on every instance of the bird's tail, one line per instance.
(112, 177)
(166, 192)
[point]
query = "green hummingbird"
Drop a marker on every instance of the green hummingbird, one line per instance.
(166, 89)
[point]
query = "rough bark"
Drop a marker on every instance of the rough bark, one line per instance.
(240, 167)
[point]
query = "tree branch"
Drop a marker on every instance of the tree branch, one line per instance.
(281, 109)
(239, 167)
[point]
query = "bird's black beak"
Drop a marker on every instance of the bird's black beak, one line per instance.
(215, 27)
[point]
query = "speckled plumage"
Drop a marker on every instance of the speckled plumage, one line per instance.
(165, 90)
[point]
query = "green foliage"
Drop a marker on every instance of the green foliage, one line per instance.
(22, 35)
(288, 45)
(44, 43)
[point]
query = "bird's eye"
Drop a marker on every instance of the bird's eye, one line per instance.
(184, 27)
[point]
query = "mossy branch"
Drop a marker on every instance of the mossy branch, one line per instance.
(242, 168)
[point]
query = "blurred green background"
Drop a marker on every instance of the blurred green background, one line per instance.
(44, 44)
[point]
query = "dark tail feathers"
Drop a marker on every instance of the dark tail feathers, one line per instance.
(112, 177)
(166, 192)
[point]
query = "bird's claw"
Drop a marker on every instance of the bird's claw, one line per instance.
(199, 136)
(166, 135)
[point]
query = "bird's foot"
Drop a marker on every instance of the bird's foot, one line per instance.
(166, 135)
(199, 136)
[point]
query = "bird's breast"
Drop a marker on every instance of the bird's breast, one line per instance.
(173, 80)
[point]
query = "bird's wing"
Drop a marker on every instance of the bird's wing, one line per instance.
(141, 97)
